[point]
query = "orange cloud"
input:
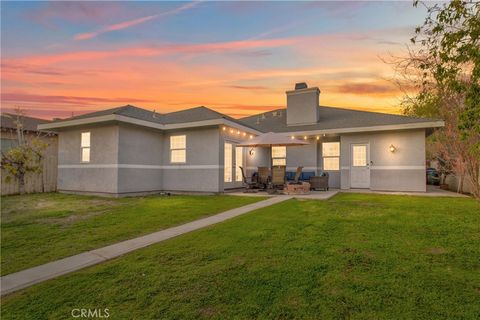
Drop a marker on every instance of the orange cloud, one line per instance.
(367, 88)
(37, 98)
(349, 75)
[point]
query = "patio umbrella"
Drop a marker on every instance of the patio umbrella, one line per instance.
(272, 139)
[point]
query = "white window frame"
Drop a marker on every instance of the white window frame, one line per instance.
(276, 158)
(330, 157)
(85, 146)
(174, 149)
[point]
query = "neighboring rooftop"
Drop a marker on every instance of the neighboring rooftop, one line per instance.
(8, 121)
(329, 118)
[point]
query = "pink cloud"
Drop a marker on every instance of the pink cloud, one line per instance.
(154, 51)
(113, 27)
(134, 22)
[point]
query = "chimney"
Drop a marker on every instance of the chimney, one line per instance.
(302, 105)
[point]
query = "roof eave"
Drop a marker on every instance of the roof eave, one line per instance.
(406, 126)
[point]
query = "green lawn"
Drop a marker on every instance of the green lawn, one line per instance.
(354, 256)
(43, 227)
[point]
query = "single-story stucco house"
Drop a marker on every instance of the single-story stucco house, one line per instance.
(129, 150)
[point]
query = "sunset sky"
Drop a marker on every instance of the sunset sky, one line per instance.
(239, 58)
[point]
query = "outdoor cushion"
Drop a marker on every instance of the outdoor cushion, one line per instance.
(306, 175)
(290, 175)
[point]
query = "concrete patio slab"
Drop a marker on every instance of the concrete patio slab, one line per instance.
(318, 195)
(25, 278)
(432, 191)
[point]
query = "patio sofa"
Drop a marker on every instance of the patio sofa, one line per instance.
(305, 176)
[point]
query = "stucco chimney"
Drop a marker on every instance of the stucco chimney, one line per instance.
(302, 105)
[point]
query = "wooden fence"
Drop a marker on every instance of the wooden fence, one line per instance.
(46, 181)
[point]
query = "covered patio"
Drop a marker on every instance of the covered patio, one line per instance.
(271, 173)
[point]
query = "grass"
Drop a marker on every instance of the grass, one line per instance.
(40, 228)
(354, 256)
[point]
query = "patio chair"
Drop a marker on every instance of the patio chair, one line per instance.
(278, 176)
(250, 185)
(319, 182)
(263, 176)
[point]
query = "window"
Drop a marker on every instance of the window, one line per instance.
(359, 156)
(85, 146)
(279, 156)
(238, 164)
(331, 156)
(227, 158)
(178, 145)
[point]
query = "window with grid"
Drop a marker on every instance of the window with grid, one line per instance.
(331, 156)
(279, 156)
(178, 149)
(85, 146)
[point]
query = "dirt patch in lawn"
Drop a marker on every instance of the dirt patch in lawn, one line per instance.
(98, 207)
(436, 251)
(208, 312)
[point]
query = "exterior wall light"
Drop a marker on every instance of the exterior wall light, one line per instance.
(251, 152)
(292, 137)
(251, 137)
(231, 130)
(392, 148)
(318, 137)
(305, 138)
(224, 128)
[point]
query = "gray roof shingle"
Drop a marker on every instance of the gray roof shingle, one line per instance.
(183, 116)
(272, 121)
(30, 124)
(330, 118)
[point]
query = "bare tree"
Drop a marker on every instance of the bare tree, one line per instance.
(26, 157)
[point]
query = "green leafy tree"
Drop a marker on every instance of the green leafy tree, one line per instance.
(25, 158)
(441, 79)
(450, 36)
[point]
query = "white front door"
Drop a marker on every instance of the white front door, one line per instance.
(360, 168)
(233, 159)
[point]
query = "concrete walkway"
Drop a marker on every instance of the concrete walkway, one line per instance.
(22, 279)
